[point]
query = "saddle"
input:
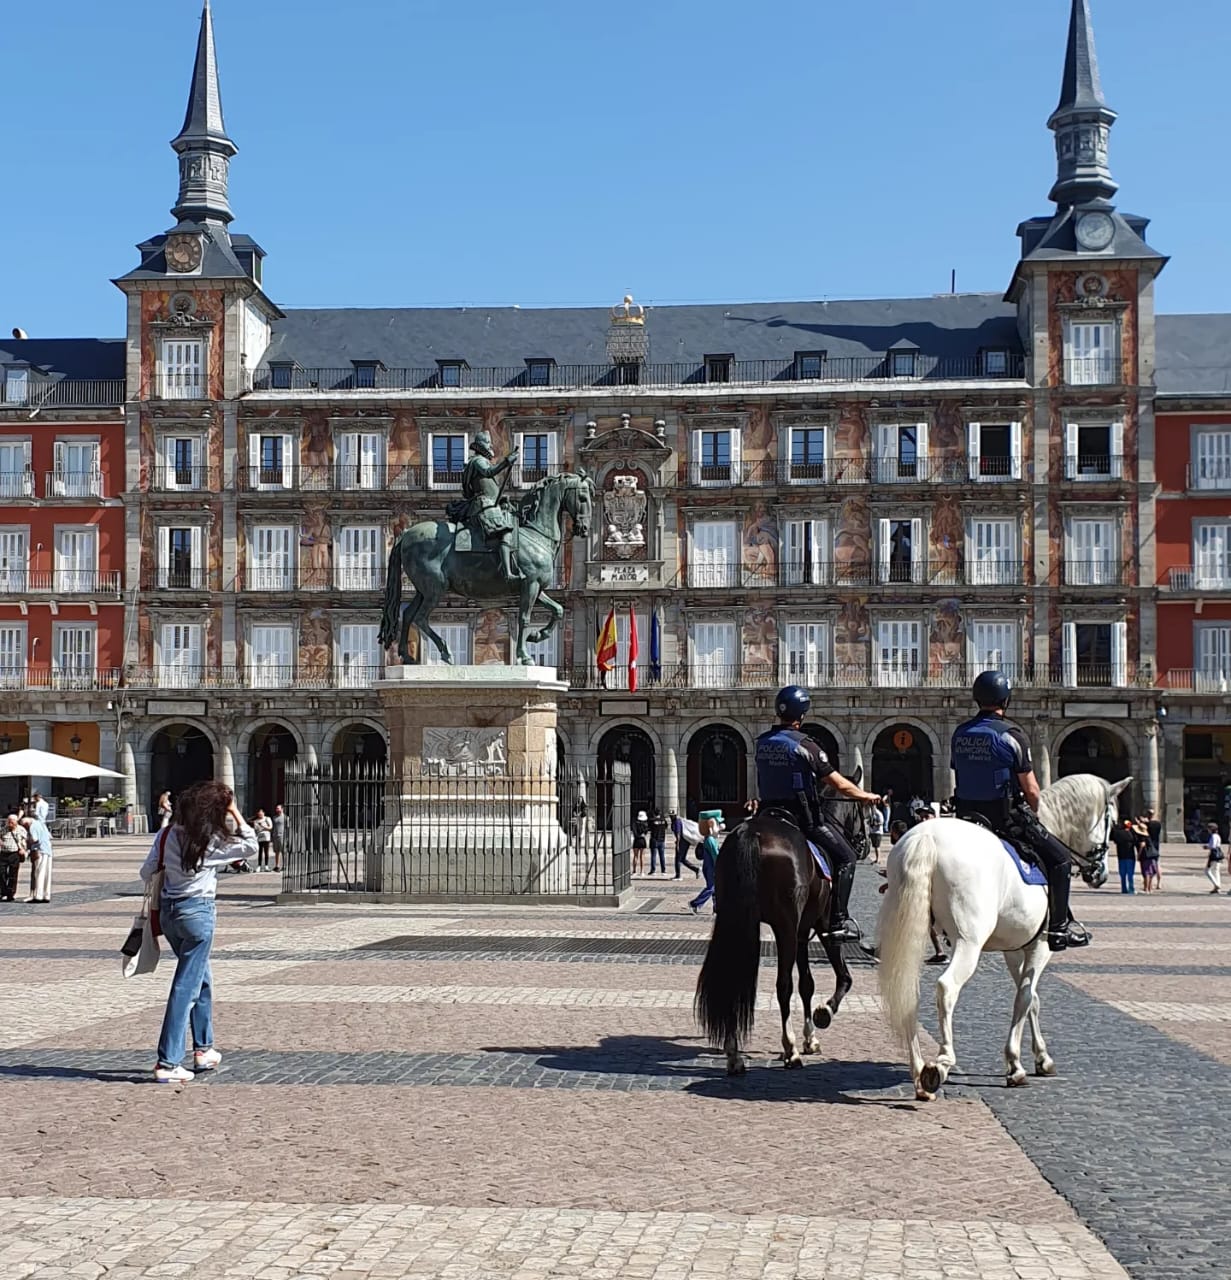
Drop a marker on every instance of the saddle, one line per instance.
(789, 817)
(1027, 868)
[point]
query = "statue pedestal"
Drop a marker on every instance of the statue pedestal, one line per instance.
(473, 803)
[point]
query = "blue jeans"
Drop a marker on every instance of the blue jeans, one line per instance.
(707, 870)
(1127, 867)
(658, 851)
(681, 857)
(188, 926)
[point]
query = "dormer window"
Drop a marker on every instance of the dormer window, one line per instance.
(809, 364)
(628, 372)
(718, 368)
(902, 363)
(538, 372)
(365, 372)
(282, 376)
(995, 362)
(16, 385)
(451, 372)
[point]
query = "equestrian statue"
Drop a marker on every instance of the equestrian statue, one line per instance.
(489, 548)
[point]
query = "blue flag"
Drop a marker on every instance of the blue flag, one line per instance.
(656, 647)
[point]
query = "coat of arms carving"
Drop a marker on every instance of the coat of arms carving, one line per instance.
(624, 509)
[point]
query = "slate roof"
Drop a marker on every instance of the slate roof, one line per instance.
(78, 359)
(1193, 355)
(949, 325)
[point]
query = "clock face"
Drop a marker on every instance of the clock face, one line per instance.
(1095, 231)
(183, 253)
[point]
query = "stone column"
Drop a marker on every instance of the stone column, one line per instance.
(1149, 766)
(1172, 814)
(40, 740)
(226, 763)
(673, 780)
(1042, 758)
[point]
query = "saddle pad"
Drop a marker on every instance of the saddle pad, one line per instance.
(821, 861)
(1029, 873)
(461, 540)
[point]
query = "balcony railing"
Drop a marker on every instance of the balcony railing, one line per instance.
(1216, 680)
(840, 471)
(73, 484)
(58, 581)
(17, 484)
(1210, 473)
(168, 479)
(166, 578)
(1093, 467)
(19, 676)
(62, 393)
(1199, 578)
(810, 574)
(1092, 371)
(182, 386)
(875, 368)
(1093, 573)
(310, 578)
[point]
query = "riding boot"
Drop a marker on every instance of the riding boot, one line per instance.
(841, 927)
(1062, 930)
(511, 571)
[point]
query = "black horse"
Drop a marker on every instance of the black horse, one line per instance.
(766, 872)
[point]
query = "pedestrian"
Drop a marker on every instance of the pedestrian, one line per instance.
(682, 846)
(190, 853)
(164, 809)
(1125, 841)
(708, 825)
(279, 835)
(1154, 833)
(658, 840)
(12, 855)
(1145, 854)
(641, 830)
(1213, 860)
(40, 807)
(38, 848)
(876, 830)
(264, 828)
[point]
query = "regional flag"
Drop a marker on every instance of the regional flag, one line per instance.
(633, 647)
(656, 647)
(605, 649)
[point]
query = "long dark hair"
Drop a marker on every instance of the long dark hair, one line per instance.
(202, 816)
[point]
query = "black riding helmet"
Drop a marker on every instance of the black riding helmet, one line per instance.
(992, 689)
(792, 703)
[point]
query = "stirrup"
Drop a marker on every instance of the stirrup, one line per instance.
(846, 930)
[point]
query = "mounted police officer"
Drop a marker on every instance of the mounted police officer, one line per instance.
(482, 489)
(995, 780)
(790, 764)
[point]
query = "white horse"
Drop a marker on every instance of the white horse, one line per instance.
(959, 873)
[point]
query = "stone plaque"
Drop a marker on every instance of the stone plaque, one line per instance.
(464, 753)
(174, 707)
(625, 707)
(1096, 710)
(624, 573)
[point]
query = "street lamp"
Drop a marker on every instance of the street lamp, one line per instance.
(181, 748)
(1092, 748)
(75, 743)
(271, 745)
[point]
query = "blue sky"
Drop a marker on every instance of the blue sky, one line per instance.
(428, 152)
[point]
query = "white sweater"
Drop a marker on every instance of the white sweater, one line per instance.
(178, 883)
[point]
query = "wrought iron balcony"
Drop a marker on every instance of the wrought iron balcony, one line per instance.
(171, 578)
(1093, 371)
(19, 676)
(253, 675)
(16, 484)
(1204, 578)
(1094, 573)
(1091, 468)
(1208, 680)
(182, 386)
(1212, 474)
(58, 582)
(171, 479)
(62, 393)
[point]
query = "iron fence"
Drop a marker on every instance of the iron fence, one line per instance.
(363, 829)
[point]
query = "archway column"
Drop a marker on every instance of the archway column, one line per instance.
(226, 766)
(673, 780)
(1042, 761)
(1149, 766)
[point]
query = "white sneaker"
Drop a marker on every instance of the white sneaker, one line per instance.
(172, 1075)
(206, 1059)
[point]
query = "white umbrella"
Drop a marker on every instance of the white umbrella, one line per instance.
(45, 764)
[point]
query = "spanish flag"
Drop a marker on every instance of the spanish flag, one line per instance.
(605, 649)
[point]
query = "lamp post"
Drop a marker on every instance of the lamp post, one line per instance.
(75, 743)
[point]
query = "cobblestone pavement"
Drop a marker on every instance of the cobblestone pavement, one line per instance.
(544, 1106)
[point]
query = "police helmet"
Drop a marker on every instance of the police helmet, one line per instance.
(792, 703)
(992, 689)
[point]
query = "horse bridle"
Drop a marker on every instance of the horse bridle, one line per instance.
(1093, 864)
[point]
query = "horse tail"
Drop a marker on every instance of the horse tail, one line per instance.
(726, 997)
(389, 617)
(904, 922)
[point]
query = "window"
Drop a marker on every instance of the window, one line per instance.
(714, 559)
(715, 658)
(809, 364)
(546, 653)
(991, 552)
(365, 373)
(76, 560)
(901, 452)
(16, 386)
(182, 369)
(718, 368)
(1212, 645)
(271, 660)
(181, 565)
(806, 553)
(360, 458)
(359, 658)
(271, 561)
(1093, 554)
(536, 456)
(1093, 450)
(180, 656)
(1212, 459)
(628, 372)
(1095, 654)
(995, 646)
(12, 559)
(271, 461)
(450, 373)
(901, 550)
(281, 377)
(77, 473)
(456, 636)
(357, 566)
(995, 363)
(1212, 555)
(994, 450)
(448, 461)
(807, 447)
(538, 374)
(180, 467)
(16, 478)
(902, 364)
(73, 656)
(1092, 356)
(715, 457)
(899, 653)
(12, 655)
(806, 655)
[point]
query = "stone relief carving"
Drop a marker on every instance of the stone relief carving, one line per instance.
(624, 508)
(464, 753)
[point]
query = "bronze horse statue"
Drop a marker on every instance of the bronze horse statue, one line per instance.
(429, 554)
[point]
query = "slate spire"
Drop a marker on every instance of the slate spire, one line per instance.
(202, 144)
(1082, 121)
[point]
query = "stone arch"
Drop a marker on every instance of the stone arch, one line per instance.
(1114, 758)
(358, 729)
(267, 748)
(909, 771)
(244, 740)
(718, 771)
(180, 752)
(331, 731)
(151, 731)
(629, 742)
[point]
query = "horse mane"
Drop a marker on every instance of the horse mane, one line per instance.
(1071, 804)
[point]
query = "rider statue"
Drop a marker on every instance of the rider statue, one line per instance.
(485, 511)
(789, 766)
(995, 781)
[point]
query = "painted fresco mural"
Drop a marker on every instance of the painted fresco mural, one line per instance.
(760, 547)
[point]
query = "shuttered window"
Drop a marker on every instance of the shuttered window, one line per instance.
(359, 657)
(715, 554)
(73, 649)
(901, 452)
(901, 557)
(715, 656)
(1213, 651)
(12, 560)
(12, 655)
(991, 552)
(181, 654)
(807, 553)
(182, 369)
(271, 657)
(1092, 357)
(76, 559)
(360, 460)
(995, 646)
(357, 564)
(271, 462)
(271, 558)
(1093, 559)
(456, 635)
(1212, 555)
(899, 653)
(806, 653)
(1212, 459)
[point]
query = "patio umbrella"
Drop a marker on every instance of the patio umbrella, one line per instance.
(45, 764)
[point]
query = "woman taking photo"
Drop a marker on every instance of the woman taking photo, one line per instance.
(190, 853)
